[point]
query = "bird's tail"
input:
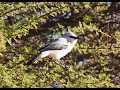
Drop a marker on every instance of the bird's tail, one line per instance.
(33, 59)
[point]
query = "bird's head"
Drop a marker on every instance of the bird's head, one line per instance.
(70, 36)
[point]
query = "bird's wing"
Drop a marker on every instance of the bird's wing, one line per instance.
(57, 44)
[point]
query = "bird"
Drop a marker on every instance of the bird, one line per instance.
(58, 48)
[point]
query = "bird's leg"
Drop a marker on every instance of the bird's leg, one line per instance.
(51, 60)
(61, 63)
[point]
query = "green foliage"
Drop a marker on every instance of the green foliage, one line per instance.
(27, 26)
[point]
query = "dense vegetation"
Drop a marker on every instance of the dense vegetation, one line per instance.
(27, 26)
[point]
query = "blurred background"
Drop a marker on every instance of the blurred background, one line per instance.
(26, 26)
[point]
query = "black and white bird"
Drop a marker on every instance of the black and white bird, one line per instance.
(58, 48)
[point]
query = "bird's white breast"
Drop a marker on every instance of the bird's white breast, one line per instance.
(57, 54)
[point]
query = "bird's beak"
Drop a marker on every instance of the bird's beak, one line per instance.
(77, 37)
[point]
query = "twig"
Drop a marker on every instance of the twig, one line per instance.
(11, 11)
(46, 14)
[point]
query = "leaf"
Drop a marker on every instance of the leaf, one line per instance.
(21, 4)
(9, 40)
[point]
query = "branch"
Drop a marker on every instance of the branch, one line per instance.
(46, 14)
(11, 11)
